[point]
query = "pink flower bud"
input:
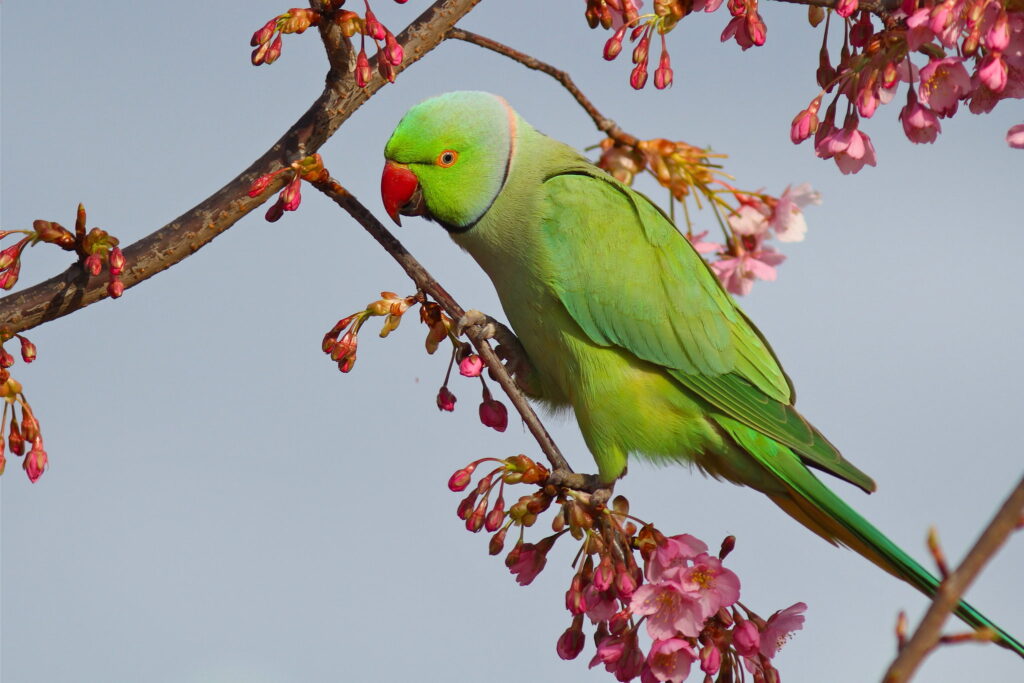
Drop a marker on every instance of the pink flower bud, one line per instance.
(614, 45)
(638, 77)
(275, 211)
(259, 54)
(461, 479)
(28, 349)
(363, 72)
(445, 400)
(93, 264)
(1015, 136)
(728, 544)
(757, 29)
(641, 49)
(347, 363)
(115, 288)
(17, 441)
(496, 517)
(392, 50)
(571, 643)
(993, 72)
(625, 583)
(260, 184)
(291, 195)
(116, 261)
(6, 359)
(604, 575)
(262, 35)
(847, 7)
(471, 366)
(274, 51)
(386, 71)
(998, 37)
(497, 542)
(663, 74)
(3, 460)
(35, 461)
(746, 639)
(476, 520)
(493, 414)
(710, 659)
(466, 505)
(805, 123)
(374, 28)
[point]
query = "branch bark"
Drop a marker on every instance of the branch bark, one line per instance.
(928, 633)
(74, 288)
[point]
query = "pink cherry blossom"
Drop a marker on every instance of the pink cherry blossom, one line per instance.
(750, 219)
(787, 218)
(710, 583)
(571, 642)
(920, 123)
(780, 627)
(847, 7)
(805, 123)
(620, 655)
(675, 554)
(993, 72)
(943, 83)
(528, 562)
(919, 31)
(669, 611)
(1015, 136)
(599, 605)
(753, 261)
(701, 246)
(670, 660)
(848, 146)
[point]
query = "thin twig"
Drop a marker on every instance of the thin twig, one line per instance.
(74, 288)
(928, 633)
(428, 284)
(603, 123)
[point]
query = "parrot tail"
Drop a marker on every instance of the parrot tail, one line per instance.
(815, 506)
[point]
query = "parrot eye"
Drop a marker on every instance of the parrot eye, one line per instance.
(447, 158)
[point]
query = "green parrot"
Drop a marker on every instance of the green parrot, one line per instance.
(622, 320)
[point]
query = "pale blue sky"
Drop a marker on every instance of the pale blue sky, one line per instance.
(224, 506)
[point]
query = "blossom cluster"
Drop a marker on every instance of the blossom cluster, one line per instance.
(94, 248)
(973, 52)
(26, 431)
(690, 173)
(310, 168)
(342, 340)
(267, 40)
(676, 593)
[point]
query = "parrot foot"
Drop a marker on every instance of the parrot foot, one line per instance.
(599, 490)
(508, 349)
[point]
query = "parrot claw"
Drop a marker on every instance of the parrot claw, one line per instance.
(474, 318)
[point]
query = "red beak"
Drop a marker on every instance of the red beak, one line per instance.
(397, 186)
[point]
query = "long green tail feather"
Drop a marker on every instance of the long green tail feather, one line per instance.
(817, 507)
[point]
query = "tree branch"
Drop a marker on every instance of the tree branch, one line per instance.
(74, 288)
(928, 633)
(882, 8)
(426, 282)
(603, 124)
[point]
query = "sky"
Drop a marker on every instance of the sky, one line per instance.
(223, 506)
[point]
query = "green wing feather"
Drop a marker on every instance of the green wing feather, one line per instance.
(671, 310)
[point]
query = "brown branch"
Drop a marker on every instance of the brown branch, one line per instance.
(928, 633)
(426, 282)
(74, 288)
(603, 123)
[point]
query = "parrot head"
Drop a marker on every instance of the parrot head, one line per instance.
(448, 158)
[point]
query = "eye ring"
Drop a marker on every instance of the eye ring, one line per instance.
(447, 158)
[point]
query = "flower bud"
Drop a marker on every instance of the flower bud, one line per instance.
(476, 520)
(275, 212)
(291, 195)
(638, 77)
(497, 542)
(466, 505)
(54, 233)
(614, 45)
(35, 462)
(663, 74)
(745, 638)
(496, 517)
(461, 479)
(570, 644)
(274, 51)
(471, 366)
(9, 277)
(28, 349)
(392, 50)
(115, 288)
(728, 543)
(446, 400)
(262, 35)
(93, 264)
(710, 659)
(260, 184)
(493, 413)
(17, 443)
(374, 28)
(116, 261)
(363, 72)
(6, 359)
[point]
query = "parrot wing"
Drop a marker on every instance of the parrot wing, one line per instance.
(630, 279)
